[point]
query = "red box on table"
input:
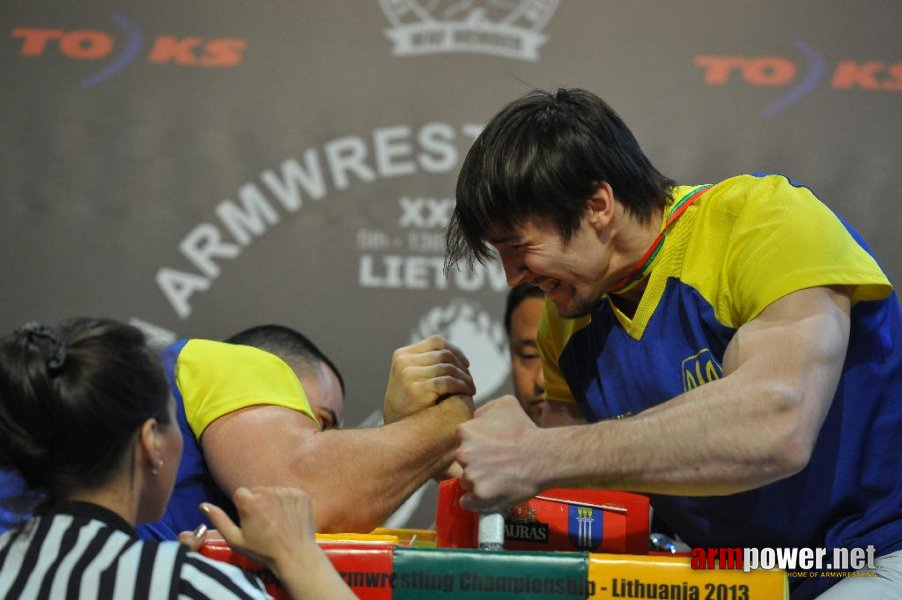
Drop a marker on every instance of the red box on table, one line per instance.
(574, 520)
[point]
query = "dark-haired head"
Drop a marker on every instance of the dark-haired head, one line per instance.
(305, 358)
(515, 296)
(544, 155)
(72, 399)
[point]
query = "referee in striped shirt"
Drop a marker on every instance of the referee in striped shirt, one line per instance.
(83, 550)
(86, 419)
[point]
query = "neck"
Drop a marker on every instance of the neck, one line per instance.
(632, 242)
(117, 496)
(636, 278)
(629, 300)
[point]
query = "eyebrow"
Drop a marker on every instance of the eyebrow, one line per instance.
(504, 239)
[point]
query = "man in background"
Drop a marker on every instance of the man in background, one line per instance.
(521, 321)
(522, 314)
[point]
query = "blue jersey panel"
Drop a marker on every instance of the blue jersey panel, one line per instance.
(194, 483)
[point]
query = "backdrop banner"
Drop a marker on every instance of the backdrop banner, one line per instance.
(197, 168)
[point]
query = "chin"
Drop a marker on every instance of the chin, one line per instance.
(574, 305)
(575, 308)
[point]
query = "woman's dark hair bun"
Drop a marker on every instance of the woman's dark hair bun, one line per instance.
(56, 344)
(72, 397)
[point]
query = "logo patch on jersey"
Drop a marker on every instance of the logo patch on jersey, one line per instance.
(585, 527)
(699, 369)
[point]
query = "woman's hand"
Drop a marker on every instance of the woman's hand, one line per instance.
(277, 530)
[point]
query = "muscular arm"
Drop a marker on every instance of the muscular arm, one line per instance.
(756, 425)
(356, 478)
(560, 414)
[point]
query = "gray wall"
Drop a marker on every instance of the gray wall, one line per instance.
(199, 167)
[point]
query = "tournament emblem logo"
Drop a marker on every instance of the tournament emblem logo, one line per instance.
(584, 527)
(521, 513)
(508, 28)
(481, 338)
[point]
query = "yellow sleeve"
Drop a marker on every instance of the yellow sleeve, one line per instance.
(554, 332)
(216, 378)
(785, 240)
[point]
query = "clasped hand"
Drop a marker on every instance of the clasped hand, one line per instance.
(422, 374)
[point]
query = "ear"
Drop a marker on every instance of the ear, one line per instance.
(149, 442)
(600, 206)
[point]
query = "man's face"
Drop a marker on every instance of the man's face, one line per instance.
(571, 274)
(324, 393)
(526, 366)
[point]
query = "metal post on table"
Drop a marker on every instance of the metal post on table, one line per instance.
(491, 531)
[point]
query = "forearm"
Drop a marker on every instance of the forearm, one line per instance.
(560, 414)
(357, 478)
(383, 466)
(314, 577)
(710, 441)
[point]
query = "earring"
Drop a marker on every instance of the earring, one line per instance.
(155, 469)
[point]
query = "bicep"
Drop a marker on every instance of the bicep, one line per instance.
(257, 445)
(797, 344)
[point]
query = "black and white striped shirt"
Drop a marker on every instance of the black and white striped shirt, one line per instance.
(86, 551)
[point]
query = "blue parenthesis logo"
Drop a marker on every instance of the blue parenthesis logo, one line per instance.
(816, 64)
(134, 39)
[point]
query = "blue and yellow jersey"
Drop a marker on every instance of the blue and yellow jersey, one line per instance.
(215, 379)
(208, 380)
(745, 243)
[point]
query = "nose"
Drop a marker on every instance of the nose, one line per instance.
(540, 380)
(515, 269)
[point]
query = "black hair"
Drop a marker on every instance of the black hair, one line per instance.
(288, 344)
(544, 155)
(72, 398)
(515, 296)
